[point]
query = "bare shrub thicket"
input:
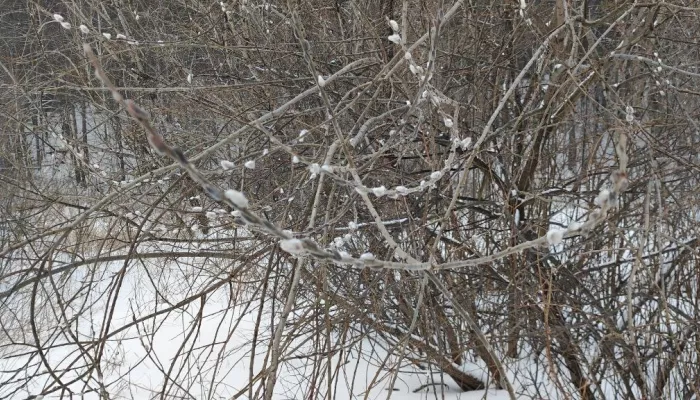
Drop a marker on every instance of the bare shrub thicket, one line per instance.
(498, 194)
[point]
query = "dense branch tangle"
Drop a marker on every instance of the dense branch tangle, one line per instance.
(237, 200)
(305, 246)
(451, 153)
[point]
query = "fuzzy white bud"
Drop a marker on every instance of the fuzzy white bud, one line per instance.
(379, 191)
(555, 236)
(394, 25)
(629, 111)
(292, 246)
(602, 197)
(402, 190)
(395, 38)
(367, 257)
(237, 198)
(574, 226)
(315, 169)
(226, 165)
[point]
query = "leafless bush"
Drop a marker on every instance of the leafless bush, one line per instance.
(257, 194)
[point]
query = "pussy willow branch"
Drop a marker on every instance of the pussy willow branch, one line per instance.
(310, 247)
(313, 249)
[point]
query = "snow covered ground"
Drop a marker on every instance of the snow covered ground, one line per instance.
(205, 346)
